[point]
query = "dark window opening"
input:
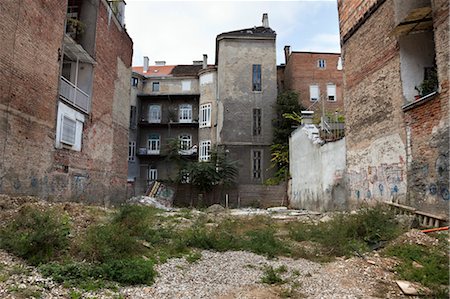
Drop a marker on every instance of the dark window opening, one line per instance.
(256, 81)
(256, 122)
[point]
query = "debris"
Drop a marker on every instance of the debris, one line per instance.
(406, 287)
(325, 218)
(371, 262)
(151, 201)
(434, 229)
(277, 209)
(416, 265)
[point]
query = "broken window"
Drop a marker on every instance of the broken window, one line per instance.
(256, 122)
(256, 81)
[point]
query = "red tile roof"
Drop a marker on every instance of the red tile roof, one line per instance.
(154, 71)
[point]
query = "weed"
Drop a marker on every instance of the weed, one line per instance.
(193, 257)
(347, 234)
(271, 276)
(434, 272)
(19, 270)
(37, 236)
(75, 294)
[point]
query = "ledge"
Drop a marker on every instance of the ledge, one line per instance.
(420, 101)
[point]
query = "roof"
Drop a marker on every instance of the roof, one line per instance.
(260, 31)
(315, 53)
(169, 70)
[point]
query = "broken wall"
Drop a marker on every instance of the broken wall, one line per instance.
(317, 174)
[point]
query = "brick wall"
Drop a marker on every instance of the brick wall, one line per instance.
(301, 71)
(29, 84)
(393, 153)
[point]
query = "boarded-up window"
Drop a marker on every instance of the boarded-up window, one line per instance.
(69, 130)
(314, 92)
(256, 122)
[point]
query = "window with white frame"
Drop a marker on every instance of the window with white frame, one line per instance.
(257, 165)
(331, 92)
(131, 151)
(185, 115)
(185, 141)
(153, 145)
(205, 150)
(314, 92)
(186, 85)
(134, 81)
(69, 128)
(154, 114)
(205, 115)
(152, 174)
(321, 63)
(155, 86)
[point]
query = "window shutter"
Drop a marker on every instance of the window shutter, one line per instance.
(69, 129)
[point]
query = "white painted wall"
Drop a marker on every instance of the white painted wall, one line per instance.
(317, 173)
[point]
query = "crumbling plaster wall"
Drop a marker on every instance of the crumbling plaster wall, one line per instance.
(317, 174)
(208, 94)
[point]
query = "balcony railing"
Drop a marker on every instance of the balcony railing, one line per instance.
(74, 95)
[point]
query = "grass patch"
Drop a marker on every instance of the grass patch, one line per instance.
(347, 234)
(37, 236)
(434, 272)
(272, 276)
(193, 257)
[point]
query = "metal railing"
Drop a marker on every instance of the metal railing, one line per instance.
(331, 130)
(74, 95)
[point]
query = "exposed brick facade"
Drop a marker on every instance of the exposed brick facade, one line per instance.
(302, 70)
(32, 35)
(397, 149)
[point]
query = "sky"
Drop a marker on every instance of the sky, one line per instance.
(179, 32)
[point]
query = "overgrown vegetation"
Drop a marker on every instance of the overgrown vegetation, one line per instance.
(427, 265)
(123, 248)
(347, 234)
(283, 125)
(272, 276)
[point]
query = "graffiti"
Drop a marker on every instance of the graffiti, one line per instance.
(381, 188)
(357, 194)
(17, 184)
(34, 182)
(394, 190)
(433, 189)
(368, 194)
(444, 193)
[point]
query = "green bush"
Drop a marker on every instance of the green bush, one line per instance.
(129, 271)
(264, 241)
(272, 276)
(108, 242)
(136, 219)
(37, 236)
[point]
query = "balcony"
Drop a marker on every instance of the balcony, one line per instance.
(146, 123)
(143, 151)
(188, 152)
(74, 95)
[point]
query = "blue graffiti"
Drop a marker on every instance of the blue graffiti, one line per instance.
(369, 194)
(394, 190)
(433, 189)
(34, 182)
(444, 193)
(357, 194)
(381, 188)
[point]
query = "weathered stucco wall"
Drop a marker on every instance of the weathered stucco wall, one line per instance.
(317, 174)
(171, 85)
(208, 95)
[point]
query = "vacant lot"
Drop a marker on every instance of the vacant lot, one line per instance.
(69, 250)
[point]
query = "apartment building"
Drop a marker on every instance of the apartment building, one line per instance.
(396, 86)
(65, 99)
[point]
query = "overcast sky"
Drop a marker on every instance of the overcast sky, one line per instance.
(182, 31)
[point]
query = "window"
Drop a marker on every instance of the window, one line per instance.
(256, 165)
(314, 92)
(131, 151)
(185, 141)
(205, 115)
(153, 145)
(186, 85)
(154, 114)
(134, 81)
(256, 81)
(321, 64)
(155, 86)
(331, 92)
(205, 150)
(185, 113)
(256, 122)
(152, 174)
(133, 117)
(69, 128)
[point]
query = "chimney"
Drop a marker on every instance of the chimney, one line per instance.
(160, 63)
(205, 61)
(339, 64)
(145, 64)
(287, 53)
(265, 20)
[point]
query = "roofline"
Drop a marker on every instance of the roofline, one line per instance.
(310, 52)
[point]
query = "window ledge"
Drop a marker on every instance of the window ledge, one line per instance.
(420, 101)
